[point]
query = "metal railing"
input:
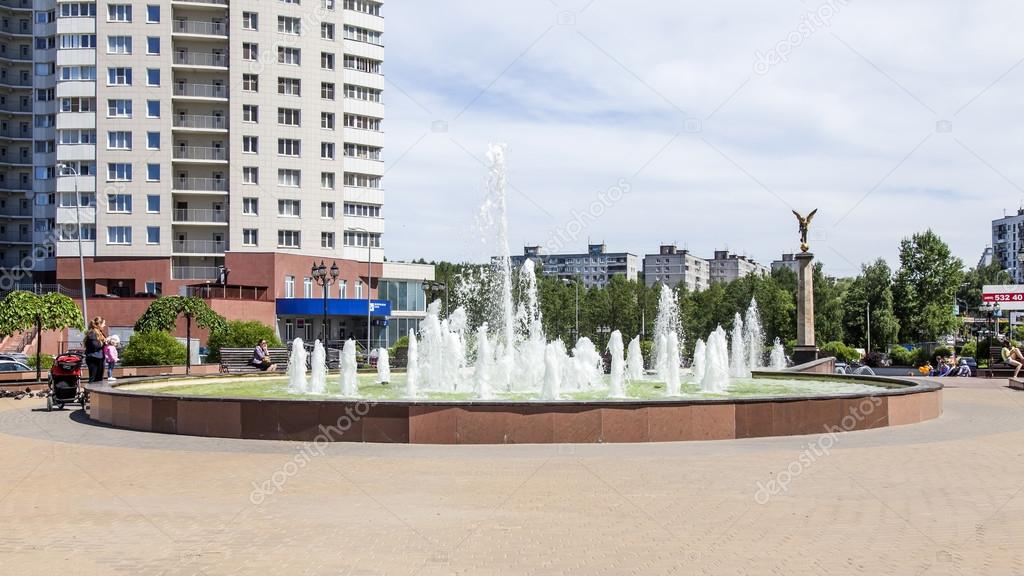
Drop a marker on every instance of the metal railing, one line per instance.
(16, 108)
(16, 212)
(220, 2)
(201, 184)
(16, 83)
(201, 59)
(15, 134)
(15, 187)
(201, 215)
(195, 272)
(191, 90)
(200, 153)
(19, 31)
(16, 238)
(200, 121)
(207, 28)
(200, 246)
(23, 4)
(16, 57)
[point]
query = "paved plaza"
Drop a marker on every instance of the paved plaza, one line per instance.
(942, 497)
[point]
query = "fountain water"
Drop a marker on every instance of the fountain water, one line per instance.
(318, 365)
(586, 367)
(554, 360)
(412, 375)
(635, 360)
(383, 366)
(738, 367)
(349, 383)
(716, 364)
(666, 323)
(297, 383)
(699, 360)
(673, 385)
(484, 364)
(616, 386)
(779, 361)
(754, 337)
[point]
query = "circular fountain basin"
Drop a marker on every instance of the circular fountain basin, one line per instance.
(770, 404)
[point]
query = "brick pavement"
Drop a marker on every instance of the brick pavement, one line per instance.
(942, 497)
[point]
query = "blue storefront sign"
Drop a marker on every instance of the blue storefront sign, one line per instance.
(335, 307)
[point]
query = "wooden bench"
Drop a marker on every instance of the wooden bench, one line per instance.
(239, 360)
(996, 366)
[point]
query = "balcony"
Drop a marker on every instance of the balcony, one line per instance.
(27, 58)
(16, 213)
(16, 82)
(199, 28)
(17, 4)
(16, 31)
(214, 91)
(200, 246)
(200, 216)
(16, 187)
(200, 122)
(200, 185)
(16, 108)
(16, 239)
(201, 59)
(214, 2)
(195, 273)
(16, 134)
(201, 153)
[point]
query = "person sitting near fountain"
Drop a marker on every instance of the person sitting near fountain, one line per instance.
(925, 370)
(261, 358)
(942, 367)
(1012, 356)
(963, 370)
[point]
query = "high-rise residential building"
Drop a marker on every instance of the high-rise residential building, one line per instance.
(787, 261)
(1008, 244)
(726, 267)
(188, 137)
(595, 268)
(672, 266)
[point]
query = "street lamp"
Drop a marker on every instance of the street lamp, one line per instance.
(577, 284)
(435, 286)
(324, 279)
(81, 254)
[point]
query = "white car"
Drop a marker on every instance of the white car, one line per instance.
(12, 366)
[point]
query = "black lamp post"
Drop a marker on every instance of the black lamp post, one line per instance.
(430, 286)
(324, 278)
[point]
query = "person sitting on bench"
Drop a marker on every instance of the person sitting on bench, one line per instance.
(1012, 356)
(261, 358)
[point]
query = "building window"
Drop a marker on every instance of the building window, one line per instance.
(307, 287)
(289, 208)
(362, 151)
(361, 64)
(289, 147)
(362, 93)
(327, 90)
(327, 180)
(327, 210)
(288, 239)
(342, 289)
(289, 116)
(250, 113)
(153, 204)
(361, 180)
(115, 44)
(289, 55)
(251, 206)
(364, 6)
(363, 35)
(119, 172)
(119, 76)
(250, 175)
(250, 237)
(289, 286)
(152, 140)
(152, 76)
(119, 13)
(119, 235)
(119, 140)
(119, 203)
(362, 210)
(250, 21)
(152, 108)
(359, 289)
(119, 108)
(327, 240)
(152, 13)
(250, 82)
(327, 150)
(327, 120)
(288, 177)
(250, 51)
(77, 10)
(289, 86)
(155, 288)
(362, 122)
(289, 25)
(250, 144)
(152, 234)
(327, 60)
(327, 31)
(362, 239)
(152, 172)
(153, 45)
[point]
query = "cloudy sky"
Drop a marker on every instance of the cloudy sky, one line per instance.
(715, 119)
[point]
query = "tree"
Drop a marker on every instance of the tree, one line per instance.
(925, 288)
(162, 316)
(240, 334)
(977, 278)
(872, 287)
(828, 306)
(153, 349)
(21, 310)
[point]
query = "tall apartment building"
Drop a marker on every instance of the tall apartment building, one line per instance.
(1008, 242)
(189, 136)
(726, 267)
(672, 266)
(594, 269)
(787, 261)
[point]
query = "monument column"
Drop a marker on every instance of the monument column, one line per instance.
(806, 350)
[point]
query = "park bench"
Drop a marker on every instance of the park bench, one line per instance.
(238, 360)
(996, 367)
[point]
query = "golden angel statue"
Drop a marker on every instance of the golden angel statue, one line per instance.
(805, 224)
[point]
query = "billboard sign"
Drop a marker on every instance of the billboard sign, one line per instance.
(1007, 296)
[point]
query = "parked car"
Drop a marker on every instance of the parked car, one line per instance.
(14, 357)
(12, 366)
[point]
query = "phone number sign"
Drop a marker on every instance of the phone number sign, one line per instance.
(1008, 297)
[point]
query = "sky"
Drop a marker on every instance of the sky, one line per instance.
(704, 124)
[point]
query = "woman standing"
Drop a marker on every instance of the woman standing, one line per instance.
(94, 341)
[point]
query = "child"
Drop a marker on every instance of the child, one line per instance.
(110, 355)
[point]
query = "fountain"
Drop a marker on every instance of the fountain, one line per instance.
(412, 376)
(616, 386)
(673, 385)
(318, 365)
(297, 383)
(349, 383)
(484, 364)
(554, 356)
(738, 367)
(383, 367)
(635, 360)
(699, 360)
(754, 337)
(716, 363)
(667, 322)
(778, 356)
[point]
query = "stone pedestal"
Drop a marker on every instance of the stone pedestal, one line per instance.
(805, 350)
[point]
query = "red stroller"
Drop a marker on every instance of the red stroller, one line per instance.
(66, 381)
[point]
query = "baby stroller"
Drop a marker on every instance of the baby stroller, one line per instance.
(66, 381)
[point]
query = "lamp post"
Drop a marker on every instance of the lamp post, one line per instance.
(324, 279)
(869, 327)
(81, 254)
(577, 284)
(435, 286)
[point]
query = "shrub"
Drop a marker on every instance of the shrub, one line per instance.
(647, 350)
(969, 349)
(240, 334)
(841, 351)
(874, 359)
(47, 361)
(900, 356)
(943, 351)
(153, 349)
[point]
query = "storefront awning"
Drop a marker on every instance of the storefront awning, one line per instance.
(314, 307)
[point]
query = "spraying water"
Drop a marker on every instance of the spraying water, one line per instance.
(616, 387)
(383, 367)
(484, 364)
(297, 383)
(349, 384)
(412, 377)
(554, 357)
(586, 368)
(635, 360)
(716, 363)
(666, 323)
(779, 361)
(700, 350)
(318, 365)
(673, 385)
(738, 358)
(754, 337)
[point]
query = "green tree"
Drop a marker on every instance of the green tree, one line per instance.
(978, 278)
(872, 287)
(925, 288)
(240, 334)
(155, 348)
(828, 306)
(21, 310)
(162, 316)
